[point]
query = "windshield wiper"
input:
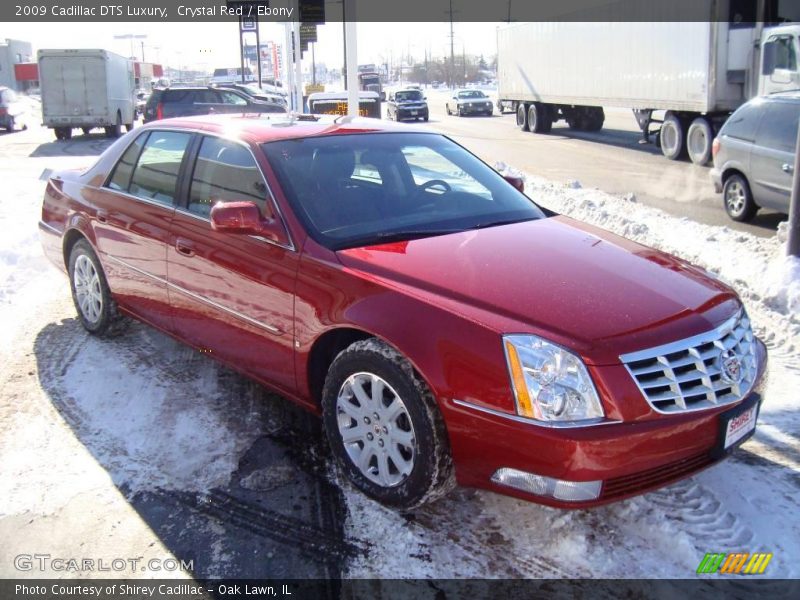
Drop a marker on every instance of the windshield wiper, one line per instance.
(387, 237)
(501, 222)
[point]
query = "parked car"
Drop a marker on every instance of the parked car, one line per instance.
(14, 111)
(754, 155)
(407, 104)
(254, 92)
(165, 103)
(443, 325)
(469, 102)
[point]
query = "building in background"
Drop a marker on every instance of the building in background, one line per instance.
(147, 74)
(12, 53)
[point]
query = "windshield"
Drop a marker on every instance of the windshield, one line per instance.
(370, 79)
(471, 94)
(253, 90)
(410, 95)
(361, 189)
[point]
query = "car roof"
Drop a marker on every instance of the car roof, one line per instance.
(268, 127)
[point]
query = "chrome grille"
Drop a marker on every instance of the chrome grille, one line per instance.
(698, 372)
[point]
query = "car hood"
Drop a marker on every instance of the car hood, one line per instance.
(473, 100)
(580, 286)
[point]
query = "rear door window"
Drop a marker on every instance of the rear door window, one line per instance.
(778, 129)
(121, 176)
(229, 97)
(156, 174)
(225, 170)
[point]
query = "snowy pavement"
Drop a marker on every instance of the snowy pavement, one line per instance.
(140, 447)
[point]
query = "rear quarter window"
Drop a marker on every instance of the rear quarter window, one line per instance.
(778, 129)
(743, 123)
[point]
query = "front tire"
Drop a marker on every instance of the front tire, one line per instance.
(96, 308)
(738, 199)
(384, 427)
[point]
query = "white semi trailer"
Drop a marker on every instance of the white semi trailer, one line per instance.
(86, 89)
(684, 77)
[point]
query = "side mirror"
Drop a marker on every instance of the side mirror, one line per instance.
(517, 182)
(781, 76)
(245, 218)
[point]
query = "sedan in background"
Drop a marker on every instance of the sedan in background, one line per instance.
(469, 102)
(444, 326)
(754, 155)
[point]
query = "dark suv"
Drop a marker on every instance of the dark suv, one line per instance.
(189, 101)
(407, 104)
(754, 155)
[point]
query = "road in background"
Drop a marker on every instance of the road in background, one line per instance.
(612, 160)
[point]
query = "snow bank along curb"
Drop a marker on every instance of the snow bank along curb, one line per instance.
(767, 280)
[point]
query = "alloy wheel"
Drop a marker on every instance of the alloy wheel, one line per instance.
(87, 289)
(376, 429)
(735, 198)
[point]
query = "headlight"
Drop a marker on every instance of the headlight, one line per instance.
(550, 383)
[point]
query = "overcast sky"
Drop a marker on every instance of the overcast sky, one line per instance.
(212, 45)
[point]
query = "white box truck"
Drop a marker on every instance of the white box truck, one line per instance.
(86, 89)
(692, 75)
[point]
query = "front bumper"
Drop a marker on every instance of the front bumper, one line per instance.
(475, 109)
(412, 113)
(629, 458)
(716, 179)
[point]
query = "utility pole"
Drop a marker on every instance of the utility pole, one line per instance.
(452, 52)
(793, 243)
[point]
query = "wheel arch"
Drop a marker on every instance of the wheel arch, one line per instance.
(71, 237)
(327, 346)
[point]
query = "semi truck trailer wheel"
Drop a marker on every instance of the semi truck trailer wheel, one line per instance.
(699, 138)
(672, 137)
(539, 120)
(522, 116)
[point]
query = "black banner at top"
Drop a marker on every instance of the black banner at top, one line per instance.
(312, 11)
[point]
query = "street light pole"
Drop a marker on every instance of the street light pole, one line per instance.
(793, 242)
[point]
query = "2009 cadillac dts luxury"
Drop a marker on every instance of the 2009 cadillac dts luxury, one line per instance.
(444, 326)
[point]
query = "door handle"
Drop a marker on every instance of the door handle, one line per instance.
(787, 168)
(184, 246)
(102, 215)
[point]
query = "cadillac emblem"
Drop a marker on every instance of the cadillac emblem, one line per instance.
(730, 367)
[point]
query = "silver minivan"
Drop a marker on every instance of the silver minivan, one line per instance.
(754, 155)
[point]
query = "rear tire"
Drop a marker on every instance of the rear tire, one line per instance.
(522, 117)
(86, 130)
(673, 137)
(116, 130)
(539, 118)
(96, 308)
(699, 139)
(384, 427)
(738, 199)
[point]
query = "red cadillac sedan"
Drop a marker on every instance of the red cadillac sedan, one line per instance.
(445, 327)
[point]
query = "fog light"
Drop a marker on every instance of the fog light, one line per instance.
(568, 491)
